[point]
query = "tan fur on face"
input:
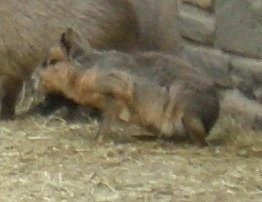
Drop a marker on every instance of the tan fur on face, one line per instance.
(52, 79)
(66, 78)
(56, 53)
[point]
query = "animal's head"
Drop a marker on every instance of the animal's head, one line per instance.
(71, 45)
(50, 75)
(57, 78)
(59, 60)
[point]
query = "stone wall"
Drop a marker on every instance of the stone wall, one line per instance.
(225, 38)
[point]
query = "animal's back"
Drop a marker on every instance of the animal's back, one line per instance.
(156, 66)
(29, 28)
(158, 25)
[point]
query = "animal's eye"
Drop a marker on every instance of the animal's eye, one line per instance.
(53, 62)
(44, 64)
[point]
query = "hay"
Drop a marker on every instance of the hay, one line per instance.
(46, 159)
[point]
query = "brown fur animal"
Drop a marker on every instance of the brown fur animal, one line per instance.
(158, 31)
(161, 70)
(158, 25)
(161, 67)
(183, 108)
(140, 62)
(29, 28)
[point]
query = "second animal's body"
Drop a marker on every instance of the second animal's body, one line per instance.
(29, 28)
(167, 92)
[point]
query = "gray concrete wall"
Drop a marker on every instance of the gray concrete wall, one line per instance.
(225, 38)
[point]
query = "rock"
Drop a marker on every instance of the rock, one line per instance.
(197, 25)
(247, 76)
(258, 94)
(238, 26)
(204, 4)
(214, 62)
(246, 112)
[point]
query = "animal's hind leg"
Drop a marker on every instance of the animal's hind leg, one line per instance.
(173, 111)
(11, 88)
(194, 127)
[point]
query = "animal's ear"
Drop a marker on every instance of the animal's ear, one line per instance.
(74, 44)
(66, 39)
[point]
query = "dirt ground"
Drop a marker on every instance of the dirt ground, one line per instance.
(46, 159)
